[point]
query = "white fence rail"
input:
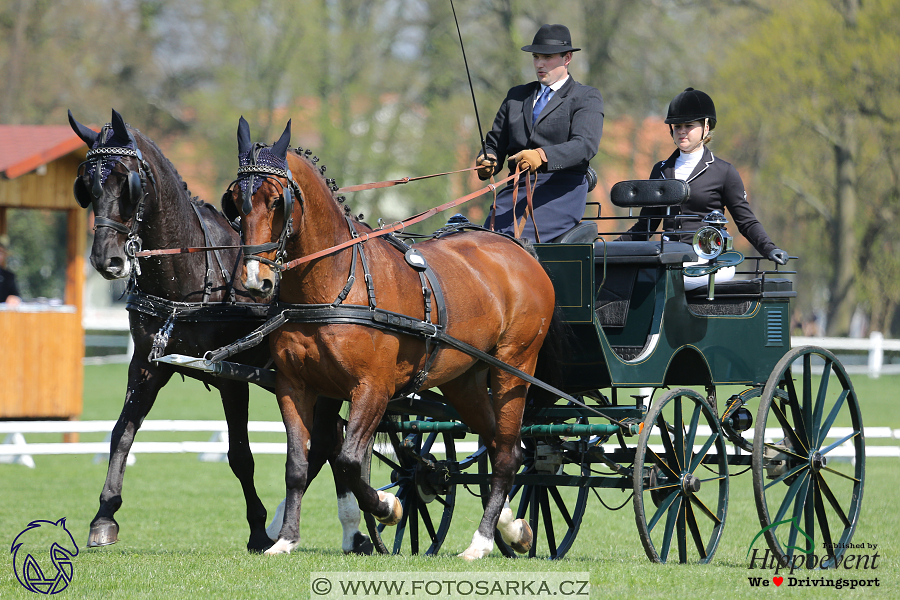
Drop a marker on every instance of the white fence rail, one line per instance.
(875, 345)
(15, 449)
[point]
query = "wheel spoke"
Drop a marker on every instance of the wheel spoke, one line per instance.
(787, 428)
(682, 533)
(698, 458)
(705, 510)
(548, 524)
(695, 530)
(830, 470)
(387, 461)
(799, 429)
(663, 507)
(678, 425)
(823, 486)
(823, 520)
(831, 447)
(662, 487)
(671, 521)
(667, 441)
(535, 508)
(826, 426)
(561, 506)
(414, 523)
(692, 433)
(789, 497)
(429, 442)
(442, 502)
(796, 469)
(784, 450)
(806, 408)
(820, 404)
(429, 525)
(659, 461)
(799, 505)
(809, 512)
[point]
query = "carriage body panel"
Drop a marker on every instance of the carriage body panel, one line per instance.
(634, 325)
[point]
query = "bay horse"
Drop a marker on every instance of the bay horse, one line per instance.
(497, 297)
(140, 201)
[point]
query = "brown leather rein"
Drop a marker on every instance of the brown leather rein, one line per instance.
(366, 236)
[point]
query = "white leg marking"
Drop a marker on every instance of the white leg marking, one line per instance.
(479, 548)
(282, 547)
(274, 527)
(348, 513)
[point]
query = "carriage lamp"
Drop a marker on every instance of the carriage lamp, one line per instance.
(712, 239)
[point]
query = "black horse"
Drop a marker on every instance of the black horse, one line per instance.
(178, 304)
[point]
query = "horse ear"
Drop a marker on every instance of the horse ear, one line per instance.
(87, 135)
(243, 137)
(281, 146)
(228, 208)
(120, 136)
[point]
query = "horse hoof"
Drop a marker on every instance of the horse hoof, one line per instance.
(525, 540)
(479, 548)
(396, 509)
(103, 534)
(282, 546)
(259, 543)
(362, 545)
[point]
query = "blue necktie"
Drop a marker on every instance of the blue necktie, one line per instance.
(541, 103)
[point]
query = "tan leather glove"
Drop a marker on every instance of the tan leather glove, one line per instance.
(528, 159)
(486, 166)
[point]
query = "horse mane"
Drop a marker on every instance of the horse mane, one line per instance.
(312, 163)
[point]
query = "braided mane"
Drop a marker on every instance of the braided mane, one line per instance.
(307, 155)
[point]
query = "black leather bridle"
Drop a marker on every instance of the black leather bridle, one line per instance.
(250, 172)
(137, 190)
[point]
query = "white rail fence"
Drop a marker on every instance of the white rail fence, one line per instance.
(16, 450)
(875, 345)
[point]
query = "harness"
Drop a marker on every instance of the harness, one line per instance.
(103, 159)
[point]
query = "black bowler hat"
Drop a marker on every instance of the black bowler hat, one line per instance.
(551, 39)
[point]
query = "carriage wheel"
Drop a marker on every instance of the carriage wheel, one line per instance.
(427, 505)
(681, 479)
(808, 457)
(554, 513)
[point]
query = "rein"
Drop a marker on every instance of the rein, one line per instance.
(364, 237)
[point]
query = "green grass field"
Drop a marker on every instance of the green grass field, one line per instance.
(183, 531)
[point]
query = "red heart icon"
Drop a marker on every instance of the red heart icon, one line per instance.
(778, 580)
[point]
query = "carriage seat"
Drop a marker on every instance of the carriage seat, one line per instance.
(584, 232)
(639, 193)
(656, 252)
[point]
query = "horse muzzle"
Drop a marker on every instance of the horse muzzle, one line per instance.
(259, 279)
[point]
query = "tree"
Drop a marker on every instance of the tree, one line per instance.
(808, 91)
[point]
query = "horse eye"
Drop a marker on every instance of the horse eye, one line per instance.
(278, 202)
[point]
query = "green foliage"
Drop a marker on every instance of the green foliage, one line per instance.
(38, 252)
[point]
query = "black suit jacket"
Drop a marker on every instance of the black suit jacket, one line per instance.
(715, 185)
(568, 129)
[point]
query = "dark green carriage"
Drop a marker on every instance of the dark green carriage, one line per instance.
(634, 331)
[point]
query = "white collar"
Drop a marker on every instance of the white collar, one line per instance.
(555, 86)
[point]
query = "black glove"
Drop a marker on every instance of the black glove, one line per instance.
(778, 256)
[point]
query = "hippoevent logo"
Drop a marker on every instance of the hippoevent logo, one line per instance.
(42, 556)
(836, 558)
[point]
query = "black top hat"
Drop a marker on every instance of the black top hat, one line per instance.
(551, 39)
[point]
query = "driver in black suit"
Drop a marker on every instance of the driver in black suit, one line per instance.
(551, 127)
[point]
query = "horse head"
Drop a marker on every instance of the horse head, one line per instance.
(114, 179)
(265, 197)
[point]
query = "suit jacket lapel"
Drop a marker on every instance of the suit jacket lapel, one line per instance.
(557, 99)
(528, 108)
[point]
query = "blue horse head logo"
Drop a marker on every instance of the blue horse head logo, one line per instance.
(42, 556)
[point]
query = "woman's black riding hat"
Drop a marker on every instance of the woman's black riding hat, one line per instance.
(691, 105)
(551, 39)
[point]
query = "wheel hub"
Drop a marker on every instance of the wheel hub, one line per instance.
(690, 484)
(817, 460)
